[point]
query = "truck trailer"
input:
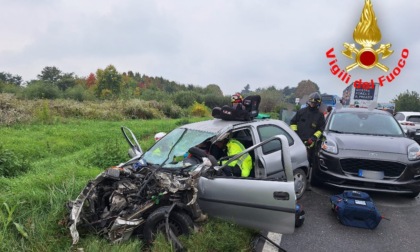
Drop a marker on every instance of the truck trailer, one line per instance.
(359, 97)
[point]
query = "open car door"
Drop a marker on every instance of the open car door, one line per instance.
(261, 204)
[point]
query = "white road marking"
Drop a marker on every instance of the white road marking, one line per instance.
(268, 246)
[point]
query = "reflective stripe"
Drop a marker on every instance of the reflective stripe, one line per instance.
(293, 127)
(318, 134)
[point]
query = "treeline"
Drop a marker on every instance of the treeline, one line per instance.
(109, 84)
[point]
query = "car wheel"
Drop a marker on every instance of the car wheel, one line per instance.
(180, 223)
(301, 182)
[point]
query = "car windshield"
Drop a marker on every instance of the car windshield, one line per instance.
(170, 150)
(365, 123)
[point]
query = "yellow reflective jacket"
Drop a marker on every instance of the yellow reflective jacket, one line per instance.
(244, 162)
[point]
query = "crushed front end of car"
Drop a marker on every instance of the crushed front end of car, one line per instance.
(117, 204)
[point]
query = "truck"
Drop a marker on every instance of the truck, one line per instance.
(329, 100)
(360, 97)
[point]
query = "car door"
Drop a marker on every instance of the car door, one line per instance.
(268, 155)
(261, 204)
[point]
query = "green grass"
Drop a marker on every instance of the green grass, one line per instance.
(63, 158)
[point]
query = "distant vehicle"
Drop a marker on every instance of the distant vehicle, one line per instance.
(359, 97)
(367, 150)
(330, 100)
(409, 121)
(386, 106)
(327, 100)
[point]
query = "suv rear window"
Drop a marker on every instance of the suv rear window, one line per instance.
(415, 118)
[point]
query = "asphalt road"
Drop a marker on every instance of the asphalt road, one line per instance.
(322, 231)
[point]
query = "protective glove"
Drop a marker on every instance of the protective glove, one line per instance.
(311, 141)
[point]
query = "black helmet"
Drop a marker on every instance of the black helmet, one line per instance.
(315, 98)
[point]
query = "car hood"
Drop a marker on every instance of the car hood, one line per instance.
(370, 143)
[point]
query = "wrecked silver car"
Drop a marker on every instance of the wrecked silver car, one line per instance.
(176, 183)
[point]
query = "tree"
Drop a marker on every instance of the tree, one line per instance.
(38, 89)
(213, 89)
(91, 80)
(184, 99)
(407, 101)
(306, 87)
(50, 75)
(66, 81)
(10, 79)
(109, 82)
(212, 101)
(246, 90)
(271, 98)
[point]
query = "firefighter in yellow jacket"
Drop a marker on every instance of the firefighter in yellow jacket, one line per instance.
(242, 166)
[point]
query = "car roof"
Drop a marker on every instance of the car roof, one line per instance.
(217, 125)
(408, 113)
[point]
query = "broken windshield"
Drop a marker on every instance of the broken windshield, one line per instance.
(171, 149)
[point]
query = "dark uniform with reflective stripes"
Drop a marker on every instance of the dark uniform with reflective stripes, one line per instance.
(308, 123)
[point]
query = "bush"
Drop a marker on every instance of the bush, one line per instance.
(11, 165)
(13, 111)
(150, 94)
(212, 101)
(79, 93)
(172, 110)
(9, 88)
(138, 109)
(43, 113)
(185, 99)
(199, 110)
(41, 90)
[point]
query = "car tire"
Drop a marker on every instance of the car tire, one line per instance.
(180, 223)
(301, 182)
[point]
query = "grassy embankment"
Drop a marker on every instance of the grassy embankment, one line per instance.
(63, 157)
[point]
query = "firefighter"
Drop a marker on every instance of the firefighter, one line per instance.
(242, 166)
(309, 123)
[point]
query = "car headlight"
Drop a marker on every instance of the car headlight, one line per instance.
(329, 146)
(414, 151)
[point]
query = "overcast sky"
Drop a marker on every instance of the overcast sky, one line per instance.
(230, 43)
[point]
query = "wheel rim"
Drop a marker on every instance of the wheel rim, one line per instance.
(173, 225)
(299, 183)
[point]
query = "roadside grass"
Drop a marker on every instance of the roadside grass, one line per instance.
(64, 157)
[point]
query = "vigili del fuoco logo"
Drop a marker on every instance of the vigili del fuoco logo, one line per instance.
(367, 54)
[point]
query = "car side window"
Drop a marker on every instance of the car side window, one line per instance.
(399, 117)
(267, 131)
